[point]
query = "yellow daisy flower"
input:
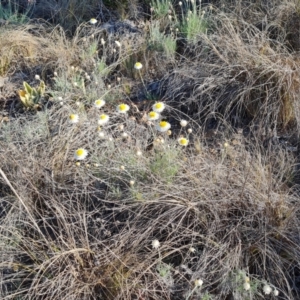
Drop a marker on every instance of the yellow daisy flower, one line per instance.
(138, 65)
(123, 108)
(158, 107)
(153, 115)
(99, 103)
(80, 154)
(103, 119)
(163, 126)
(73, 118)
(183, 141)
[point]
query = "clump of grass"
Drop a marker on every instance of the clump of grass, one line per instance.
(9, 12)
(194, 23)
(140, 205)
(162, 42)
(160, 8)
(164, 165)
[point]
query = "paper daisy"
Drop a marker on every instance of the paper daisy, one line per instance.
(138, 65)
(99, 103)
(183, 141)
(73, 118)
(123, 108)
(93, 21)
(153, 115)
(163, 126)
(158, 107)
(80, 154)
(267, 289)
(155, 244)
(103, 119)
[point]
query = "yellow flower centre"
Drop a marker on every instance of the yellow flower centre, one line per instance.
(103, 117)
(163, 124)
(72, 117)
(158, 105)
(79, 152)
(122, 107)
(152, 114)
(183, 141)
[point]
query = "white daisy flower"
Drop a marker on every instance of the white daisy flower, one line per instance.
(163, 126)
(80, 154)
(183, 141)
(155, 244)
(138, 65)
(267, 289)
(99, 103)
(158, 107)
(103, 119)
(73, 118)
(153, 115)
(123, 108)
(93, 21)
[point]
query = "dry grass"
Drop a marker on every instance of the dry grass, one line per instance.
(224, 209)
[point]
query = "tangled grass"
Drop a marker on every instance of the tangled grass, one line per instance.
(186, 182)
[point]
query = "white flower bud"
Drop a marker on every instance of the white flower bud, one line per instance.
(198, 282)
(155, 244)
